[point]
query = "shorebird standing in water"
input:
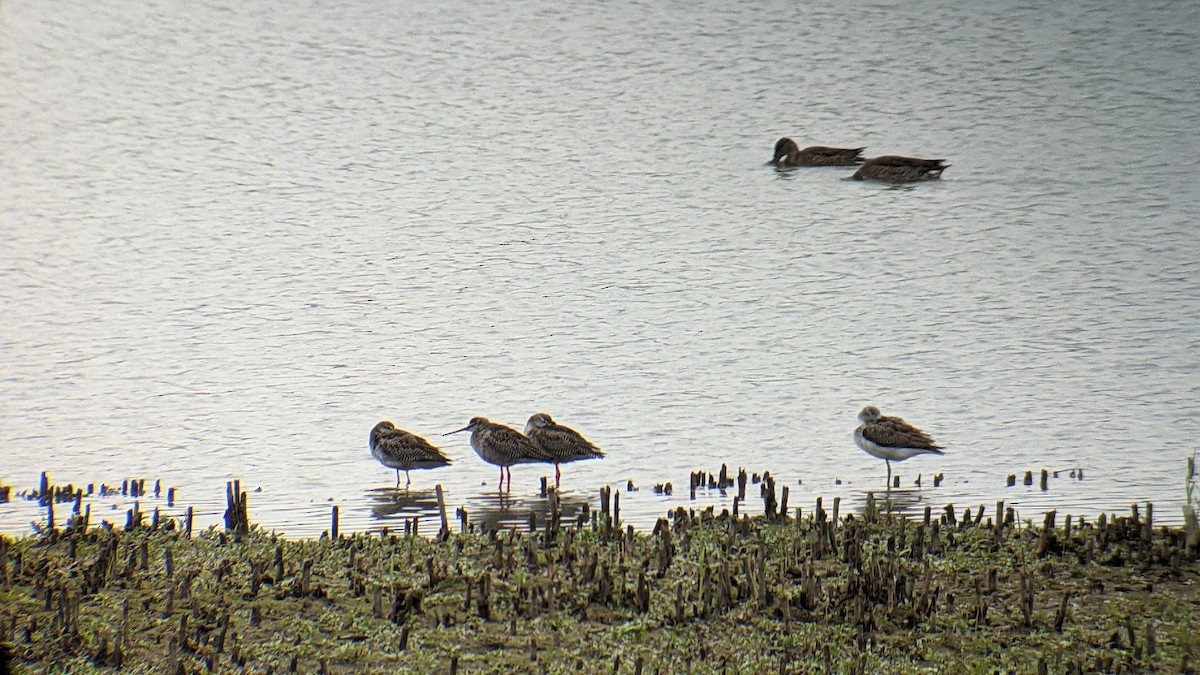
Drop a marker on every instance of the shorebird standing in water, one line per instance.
(398, 449)
(562, 444)
(891, 438)
(502, 446)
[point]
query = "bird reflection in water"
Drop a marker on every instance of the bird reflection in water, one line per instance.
(396, 505)
(489, 511)
(904, 501)
(396, 508)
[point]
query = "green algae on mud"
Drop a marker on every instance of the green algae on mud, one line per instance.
(867, 592)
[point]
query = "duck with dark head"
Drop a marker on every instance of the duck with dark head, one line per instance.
(788, 154)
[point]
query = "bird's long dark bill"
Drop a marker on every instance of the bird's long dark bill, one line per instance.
(456, 431)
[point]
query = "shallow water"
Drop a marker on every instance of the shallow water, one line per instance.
(239, 236)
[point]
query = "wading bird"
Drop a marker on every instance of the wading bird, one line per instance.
(400, 450)
(891, 438)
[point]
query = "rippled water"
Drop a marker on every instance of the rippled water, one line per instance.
(236, 235)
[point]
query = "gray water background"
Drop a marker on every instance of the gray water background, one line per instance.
(237, 235)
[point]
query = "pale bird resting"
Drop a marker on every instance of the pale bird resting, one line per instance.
(502, 446)
(561, 444)
(891, 438)
(400, 450)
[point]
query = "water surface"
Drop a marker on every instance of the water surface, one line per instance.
(237, 236)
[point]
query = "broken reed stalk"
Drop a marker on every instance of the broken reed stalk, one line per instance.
(616, 519)
(1061, 616)
(237, 518)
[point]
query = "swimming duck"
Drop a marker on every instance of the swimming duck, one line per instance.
(787, 153)
(896, 169)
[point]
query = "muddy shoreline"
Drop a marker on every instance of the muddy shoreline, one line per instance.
(787, 590)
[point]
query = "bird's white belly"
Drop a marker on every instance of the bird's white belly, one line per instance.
(883, 451)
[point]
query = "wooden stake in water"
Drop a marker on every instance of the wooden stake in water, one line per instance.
(441, 500)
